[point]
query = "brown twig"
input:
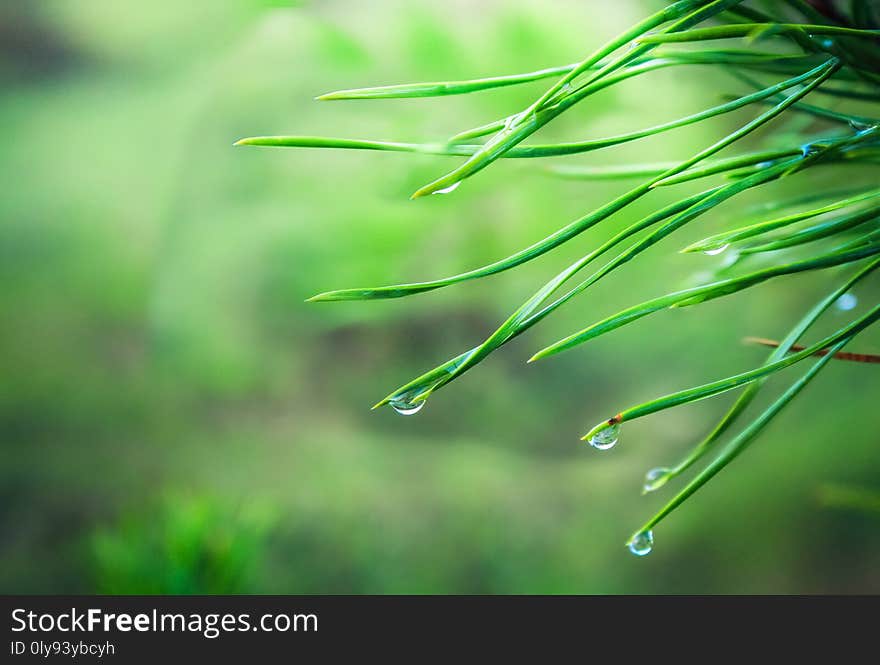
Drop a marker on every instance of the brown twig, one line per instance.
(840, 355)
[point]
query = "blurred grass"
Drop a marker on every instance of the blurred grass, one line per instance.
(159, 362)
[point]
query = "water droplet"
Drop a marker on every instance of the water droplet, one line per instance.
(859, 125)
(827, 43)
(606, 437)
(447, 190)
(656, 478)
(809, 149)
(846, 302)
(406, 407)
(642, 543)
(716, 251)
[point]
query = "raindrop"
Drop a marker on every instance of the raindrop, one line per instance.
(656, 478)
(642, 543)
(606, 437)
(405, 407)
(846, 302)
(447, 190)
(716, 251)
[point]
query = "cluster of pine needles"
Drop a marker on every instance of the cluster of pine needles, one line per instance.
(819, 56)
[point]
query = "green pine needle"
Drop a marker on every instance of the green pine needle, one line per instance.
(837, 59)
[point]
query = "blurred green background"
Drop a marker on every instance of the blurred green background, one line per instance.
(176, 419)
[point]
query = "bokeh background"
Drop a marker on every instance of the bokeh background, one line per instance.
(175, 419)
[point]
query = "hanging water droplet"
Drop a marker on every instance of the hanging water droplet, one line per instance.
(447, 190)
(405, 407)
(642, 543)
(716, 251)
(656, 478)
(846, 302)
(606, 437)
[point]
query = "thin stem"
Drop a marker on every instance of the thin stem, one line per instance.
(869, 358)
